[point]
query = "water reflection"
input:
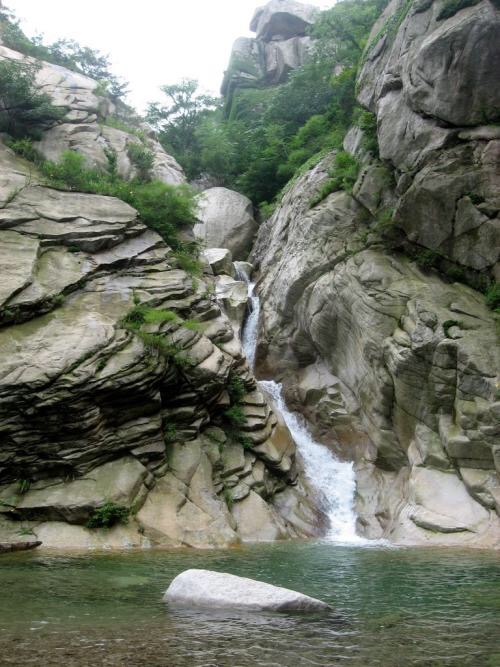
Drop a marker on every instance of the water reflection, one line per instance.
(393, 608)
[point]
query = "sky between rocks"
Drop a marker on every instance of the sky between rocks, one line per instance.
(151, 42)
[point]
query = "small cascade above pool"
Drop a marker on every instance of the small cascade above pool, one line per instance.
(334, 479)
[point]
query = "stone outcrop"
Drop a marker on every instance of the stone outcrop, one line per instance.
(91, 413)
(203, 588)
(226, 220)
(433, 84)
(87, 127)
(281, 45)
(393, 366)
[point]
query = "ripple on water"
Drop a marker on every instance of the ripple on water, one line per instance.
(393, 608)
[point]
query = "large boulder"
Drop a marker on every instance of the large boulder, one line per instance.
(226, 221)
(282, 19)
(281, 45)
(218, 589)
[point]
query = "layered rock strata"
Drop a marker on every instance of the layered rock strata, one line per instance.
(94, 414)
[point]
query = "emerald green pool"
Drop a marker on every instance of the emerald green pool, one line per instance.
(393, 608)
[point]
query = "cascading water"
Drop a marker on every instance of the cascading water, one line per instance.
(333, 478)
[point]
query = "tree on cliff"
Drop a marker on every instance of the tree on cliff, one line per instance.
(24, 110)
(178, 119)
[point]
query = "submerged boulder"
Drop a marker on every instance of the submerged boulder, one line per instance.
(219, 589)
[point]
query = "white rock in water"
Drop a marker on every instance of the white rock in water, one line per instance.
(218, 589)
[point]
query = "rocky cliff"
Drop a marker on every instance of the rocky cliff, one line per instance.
(393, 361)
(119, 370)
(279, 46)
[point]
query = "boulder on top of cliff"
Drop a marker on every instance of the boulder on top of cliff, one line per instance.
(226, 221)
(218, 589)
(89, 125)
(282, 19)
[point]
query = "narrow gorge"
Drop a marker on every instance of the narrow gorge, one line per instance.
(266, 317)
(123, 377)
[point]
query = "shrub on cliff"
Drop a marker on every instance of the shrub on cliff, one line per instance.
(162, 207)
(24, 110)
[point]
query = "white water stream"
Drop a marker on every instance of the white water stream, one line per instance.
(333, 478)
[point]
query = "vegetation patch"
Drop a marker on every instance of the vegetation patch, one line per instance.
(448, 325)
(108, 515)
(25, 111)
(493, 297)
(343, 176)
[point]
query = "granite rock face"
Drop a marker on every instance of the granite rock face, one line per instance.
(394, 367)
(280, 46)
(91, 413)
(220, 590)
(226, 220)
(434, 87)
(87, 127)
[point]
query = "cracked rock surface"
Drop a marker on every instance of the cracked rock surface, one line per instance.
(91, 414)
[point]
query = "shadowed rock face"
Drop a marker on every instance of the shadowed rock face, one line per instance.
(280, 46)
(434, 87)
(282, 19)
(90, 414)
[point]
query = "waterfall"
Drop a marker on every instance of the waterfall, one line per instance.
(333, 478)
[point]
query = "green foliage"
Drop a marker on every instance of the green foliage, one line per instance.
(493, 296)
(24, 110)
(164, 208)
(228, 497)
(142, 159)
(64, 52)
(188, 261)
(161, 342)
(108, 515)
(23, 486)
(427, 259)
(367, 121)
(235, 416)
(170, 433)
(448, 325)
(178, 120)
(343, 176)
(235, 388)
(166, 348)
(451, 7)
(24, 147)
(265, 135)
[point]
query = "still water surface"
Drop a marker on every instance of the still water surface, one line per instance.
(392, 608)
